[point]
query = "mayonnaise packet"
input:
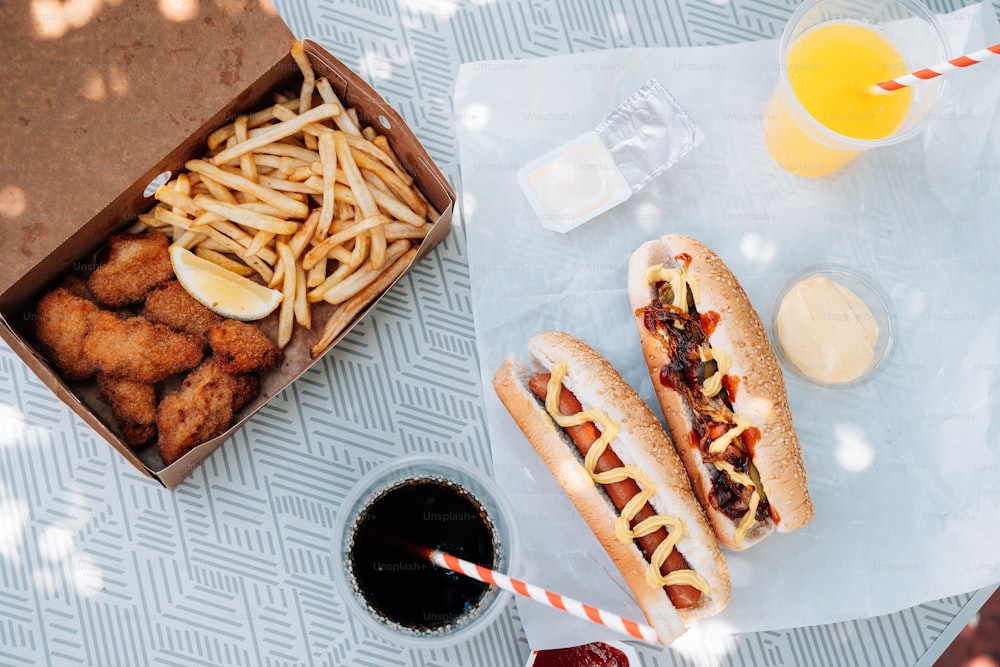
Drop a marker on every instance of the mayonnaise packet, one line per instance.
(600, 169)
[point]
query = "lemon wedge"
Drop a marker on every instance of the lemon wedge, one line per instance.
(224, 292)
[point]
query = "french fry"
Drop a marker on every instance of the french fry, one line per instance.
(256, 119)
(243, 241)
(432, 213)
(288, 187)
(303, 313)
(292, 140)
(360, 251)
(312, 130)
(246, 217)
(189, 239)
(286, 314)
(218, 190)
(288, 165)
(316, 294)
(315, 182)
(343, 194)
(301, 238)
(278, 277)
(300, 173)
(150, 221)
(284, 203)
(345, 211)
(342, 255)
(328, 158)
(399, 230)
(235, 232)
(334, 240)
(388, 176)
(377, 253)
(178, 200)
(383, 144)
(261, 207)
(388, 203)
(362, 195)
(140, 226)
(317, 274)
(209, 244)
(351, 308)
(275, 132)
(272, 162)
(298, 53)
(183, 184)
(255, 263)
(222, 260)
(364, 276)
(343, 121)
(260, 241)
(176, 219)
(376, 150)
(247, 165)
(288, 150)
(308, 83)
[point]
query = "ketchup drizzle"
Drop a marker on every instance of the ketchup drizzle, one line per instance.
(682, 332)
(731, 383)
(709, 321)
(750, 437)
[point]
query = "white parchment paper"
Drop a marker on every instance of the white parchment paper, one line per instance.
(903, 470)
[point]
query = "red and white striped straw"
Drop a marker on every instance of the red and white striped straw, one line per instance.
(937, 70)
(609, 620)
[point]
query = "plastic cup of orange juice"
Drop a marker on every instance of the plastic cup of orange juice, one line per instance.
(825, 110)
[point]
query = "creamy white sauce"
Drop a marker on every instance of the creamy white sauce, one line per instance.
(826, 330)
(576, 182)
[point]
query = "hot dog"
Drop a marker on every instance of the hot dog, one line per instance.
(584, 436)
(721, 390)
(613, 459)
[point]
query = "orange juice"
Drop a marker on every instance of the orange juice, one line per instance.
(832, 68)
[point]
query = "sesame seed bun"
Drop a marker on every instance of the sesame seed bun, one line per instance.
(761, 396)
(642, 442)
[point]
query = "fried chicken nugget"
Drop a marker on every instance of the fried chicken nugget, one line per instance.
(138, 350)
(171, 305)
(64, 319)
(77, 286)
(133, 405)
(238, 347)
(137, 263)
(201, 409)
(247, 388)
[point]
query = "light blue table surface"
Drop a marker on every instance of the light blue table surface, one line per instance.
(101, 566)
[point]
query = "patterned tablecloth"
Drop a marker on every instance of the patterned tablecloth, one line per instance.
(101, 566)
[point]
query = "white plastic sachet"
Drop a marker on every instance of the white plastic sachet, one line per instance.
(600, 169)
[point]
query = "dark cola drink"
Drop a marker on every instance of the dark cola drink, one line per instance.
(403, 588)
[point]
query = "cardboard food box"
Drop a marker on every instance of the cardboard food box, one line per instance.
(193, 76)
